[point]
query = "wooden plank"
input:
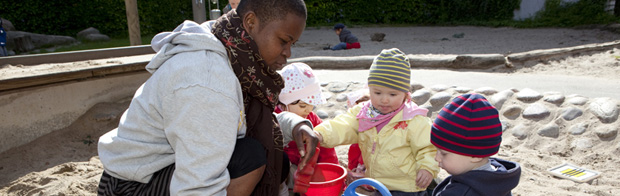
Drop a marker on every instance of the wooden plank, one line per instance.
(81, 74)
(83, 55)
(119, 69)
(16, 83)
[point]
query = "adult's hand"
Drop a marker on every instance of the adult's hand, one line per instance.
(307, 141)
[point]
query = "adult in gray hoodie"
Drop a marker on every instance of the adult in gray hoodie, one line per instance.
(203, 123)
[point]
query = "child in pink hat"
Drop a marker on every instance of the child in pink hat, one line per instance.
(301, 93)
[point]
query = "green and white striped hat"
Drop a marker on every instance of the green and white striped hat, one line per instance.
(390, 69)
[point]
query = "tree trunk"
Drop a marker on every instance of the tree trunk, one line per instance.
(616, 8)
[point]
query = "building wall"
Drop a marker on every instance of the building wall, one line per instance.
(529, 8)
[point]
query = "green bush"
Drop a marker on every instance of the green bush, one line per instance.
(321, 12)
(563, 14)
(109, 16)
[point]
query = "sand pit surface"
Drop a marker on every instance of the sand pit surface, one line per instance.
(65, 161)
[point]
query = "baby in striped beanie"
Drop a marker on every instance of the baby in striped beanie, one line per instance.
(393, 133)
(467, 132)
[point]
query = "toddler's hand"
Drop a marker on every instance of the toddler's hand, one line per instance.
(424, 178)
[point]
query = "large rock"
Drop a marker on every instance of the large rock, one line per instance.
(338, 87)
(571, 113)
(551, 130)
(96, 38)
(512, 112)
(520, 131)
(37, 40)
(605, 108)
(440, 87)
(498, 99)
(606, 133)
(377, 37)
(577, 100)
(421, 96)
(578, 129)
(536, 111)
(438, 100)
(7, 25)
(415, 86)
(89, 31)
(341, 97)
(528, 95)
(92, 34)
(554, 97)
(487, 91)
(462, 89)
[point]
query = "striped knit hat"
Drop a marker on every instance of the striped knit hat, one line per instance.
(469, 126)
(390, 69)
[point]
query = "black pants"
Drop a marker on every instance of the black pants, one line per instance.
(248, 156)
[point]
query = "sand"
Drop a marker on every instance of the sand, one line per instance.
(65, 161)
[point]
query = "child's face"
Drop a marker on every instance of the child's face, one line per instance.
(386, 99)
(455, 164)
(275, 38)
(300, 108)
(338, 31)
(234, 3)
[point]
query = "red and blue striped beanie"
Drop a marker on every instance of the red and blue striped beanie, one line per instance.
(469, 126)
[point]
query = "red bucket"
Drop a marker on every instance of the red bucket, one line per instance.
(328, 180)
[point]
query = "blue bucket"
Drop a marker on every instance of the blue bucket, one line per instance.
(350, 190)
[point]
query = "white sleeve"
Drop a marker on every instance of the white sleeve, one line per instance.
(288, 121)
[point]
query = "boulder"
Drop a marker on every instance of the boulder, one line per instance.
(377, 37)
(25, 39)
(7, 25)
(96, 38)
(84, 33)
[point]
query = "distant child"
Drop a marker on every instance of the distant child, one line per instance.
(393, 133)
(347, 39)
(467, 132)
(301, 93)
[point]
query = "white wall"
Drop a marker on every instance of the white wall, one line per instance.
(529, 8)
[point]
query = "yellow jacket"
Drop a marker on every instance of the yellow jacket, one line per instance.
(401, 148)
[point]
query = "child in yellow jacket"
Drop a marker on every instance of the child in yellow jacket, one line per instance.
(393, 133)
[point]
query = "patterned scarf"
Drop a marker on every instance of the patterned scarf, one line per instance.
(261, 86)
(370, 117)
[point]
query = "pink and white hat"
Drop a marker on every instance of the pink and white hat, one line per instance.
(300, 84)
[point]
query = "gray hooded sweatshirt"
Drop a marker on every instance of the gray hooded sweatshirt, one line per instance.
(189, 112)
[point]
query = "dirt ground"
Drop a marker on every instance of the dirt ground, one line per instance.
(65, 162)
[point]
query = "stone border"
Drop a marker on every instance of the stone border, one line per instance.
(27, 91)
(584, 123)
(465, 61)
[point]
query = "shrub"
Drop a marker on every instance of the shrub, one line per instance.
(109, 16)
